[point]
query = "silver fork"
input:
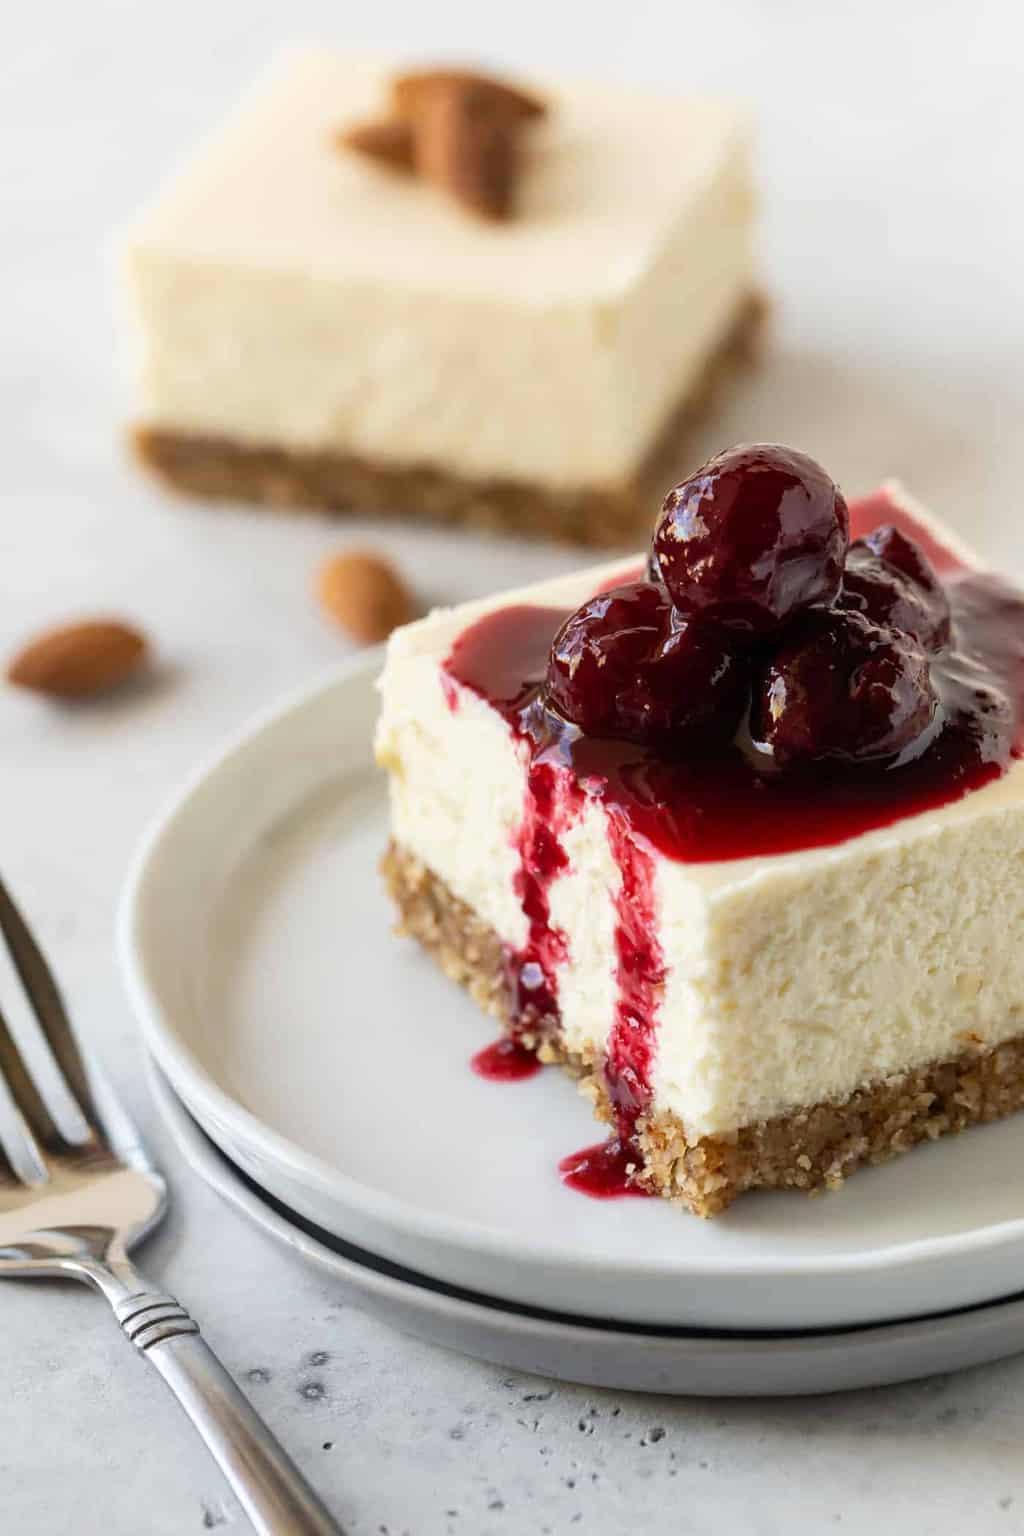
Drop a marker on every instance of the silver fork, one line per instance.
(77, 1191)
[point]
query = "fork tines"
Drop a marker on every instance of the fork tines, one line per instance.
(51, 1106)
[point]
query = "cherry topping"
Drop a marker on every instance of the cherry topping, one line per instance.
(845, 689)
(628, 665)
(889, 580)
(898, 549)
(757, 533)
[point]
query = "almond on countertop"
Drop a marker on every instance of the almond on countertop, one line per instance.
(364, 594)
(76, 661)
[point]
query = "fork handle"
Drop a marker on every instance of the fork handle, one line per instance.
(267, 1483)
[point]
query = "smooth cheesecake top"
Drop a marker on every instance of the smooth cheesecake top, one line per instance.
(607, 175)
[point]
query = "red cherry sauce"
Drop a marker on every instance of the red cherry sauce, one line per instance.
(712, 805)
(601, 1171)
(513, 668)
(505, 1060)
(551, 804)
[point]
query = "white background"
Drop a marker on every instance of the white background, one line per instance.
(894, 248)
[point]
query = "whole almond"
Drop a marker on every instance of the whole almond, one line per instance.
(386, 140)
(364, 594)
(468, 149)
(410, 92)
(75, 661)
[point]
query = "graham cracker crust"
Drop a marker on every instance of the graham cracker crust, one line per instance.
(216, 468)
(809, 1149)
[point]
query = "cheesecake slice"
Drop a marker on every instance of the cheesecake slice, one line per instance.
(323, 313)
(745, 852)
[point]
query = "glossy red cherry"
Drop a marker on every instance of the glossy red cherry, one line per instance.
(889, 579)
(845, 689)
(628, 665)
(898, 549)
(758, 533)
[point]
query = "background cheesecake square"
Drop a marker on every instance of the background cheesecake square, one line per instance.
(313, 326)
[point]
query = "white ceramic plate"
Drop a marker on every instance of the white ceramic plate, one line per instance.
(600, 1354)
(329, 1059)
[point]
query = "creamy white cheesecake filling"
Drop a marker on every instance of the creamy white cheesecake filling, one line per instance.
(798, 979)
(791, 979)
(287, 293)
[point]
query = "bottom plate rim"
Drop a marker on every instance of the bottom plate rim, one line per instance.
(331, 1253)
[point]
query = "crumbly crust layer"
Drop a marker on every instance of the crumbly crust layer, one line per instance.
(810, 1148)
(221, 469)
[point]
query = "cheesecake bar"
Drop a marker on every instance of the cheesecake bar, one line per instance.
(736, 834)
(348, 300)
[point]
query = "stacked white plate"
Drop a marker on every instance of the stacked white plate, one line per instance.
(315, 1069)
